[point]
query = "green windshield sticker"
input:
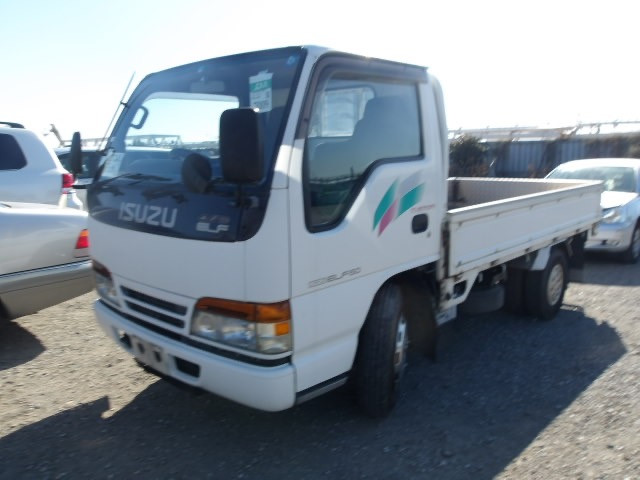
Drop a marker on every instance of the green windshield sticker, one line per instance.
(261, 91)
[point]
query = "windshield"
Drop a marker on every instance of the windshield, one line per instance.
(180, 109)
(176, 113)
(164, 128)
(619, 179)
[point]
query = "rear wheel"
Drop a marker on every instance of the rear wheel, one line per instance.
(382, 353)
(544, 290)
(632, 254)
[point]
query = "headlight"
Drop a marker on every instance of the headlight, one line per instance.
(262, 328)
(614, 215)
(104, 284)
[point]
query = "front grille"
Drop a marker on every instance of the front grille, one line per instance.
(156, 302)
(163, 311)
(157, 315)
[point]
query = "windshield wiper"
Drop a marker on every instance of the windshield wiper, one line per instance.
(143, 176)
(152, 194)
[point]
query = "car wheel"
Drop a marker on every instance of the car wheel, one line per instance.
(382, 353)
(544, 290)
(632, 254)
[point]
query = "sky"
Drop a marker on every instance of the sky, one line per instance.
(544, 63)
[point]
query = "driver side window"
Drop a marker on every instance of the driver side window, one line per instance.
(357, 121)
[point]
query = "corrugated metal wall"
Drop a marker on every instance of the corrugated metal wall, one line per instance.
(535, 158)
(570, 149)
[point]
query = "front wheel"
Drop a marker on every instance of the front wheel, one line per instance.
(632, 254)
(382, 353)
(544, 290)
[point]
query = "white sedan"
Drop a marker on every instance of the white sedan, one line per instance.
(44, 257)
(619, 230)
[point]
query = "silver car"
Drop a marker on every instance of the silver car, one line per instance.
(619, 230)
(44, 257)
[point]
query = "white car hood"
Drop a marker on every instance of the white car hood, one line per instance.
(616, 199)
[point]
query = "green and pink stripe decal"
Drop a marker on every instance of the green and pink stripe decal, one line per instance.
(399, 198)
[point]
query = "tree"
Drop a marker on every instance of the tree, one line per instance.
(467, 157)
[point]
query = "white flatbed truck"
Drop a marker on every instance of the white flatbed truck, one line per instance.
(269, 225)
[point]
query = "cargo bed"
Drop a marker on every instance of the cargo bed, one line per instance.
(493, 220)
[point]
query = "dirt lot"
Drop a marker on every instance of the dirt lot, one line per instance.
(508, 398)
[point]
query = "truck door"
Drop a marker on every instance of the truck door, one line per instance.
(363, 197)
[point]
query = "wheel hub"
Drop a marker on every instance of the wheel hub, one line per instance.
(400, 352)
(555, 284)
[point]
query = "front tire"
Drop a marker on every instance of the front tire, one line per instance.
(544, 290)
(382, 353)
(632, 254)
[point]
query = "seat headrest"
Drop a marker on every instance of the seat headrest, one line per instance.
(384, 106)
(383, 114)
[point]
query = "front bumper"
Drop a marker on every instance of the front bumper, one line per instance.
(611, 237)
(270, 388)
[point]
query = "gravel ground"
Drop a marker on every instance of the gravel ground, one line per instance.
(508, 398)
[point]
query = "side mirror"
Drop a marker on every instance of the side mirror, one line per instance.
(241, 153)
(140, 118)
(75, 155)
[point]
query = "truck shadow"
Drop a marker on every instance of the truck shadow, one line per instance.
(17, 345)
(498, 382)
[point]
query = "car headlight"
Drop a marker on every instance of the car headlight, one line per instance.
(262, 328)
(614, 215)
(104, 284)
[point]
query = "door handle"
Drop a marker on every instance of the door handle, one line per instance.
(420, 223)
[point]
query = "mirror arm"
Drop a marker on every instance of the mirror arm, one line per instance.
(240, 199)
(243, 200)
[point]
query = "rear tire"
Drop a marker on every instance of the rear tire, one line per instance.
(544, 290)
(382, 353)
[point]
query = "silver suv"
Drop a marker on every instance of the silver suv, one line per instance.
(31, 172)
